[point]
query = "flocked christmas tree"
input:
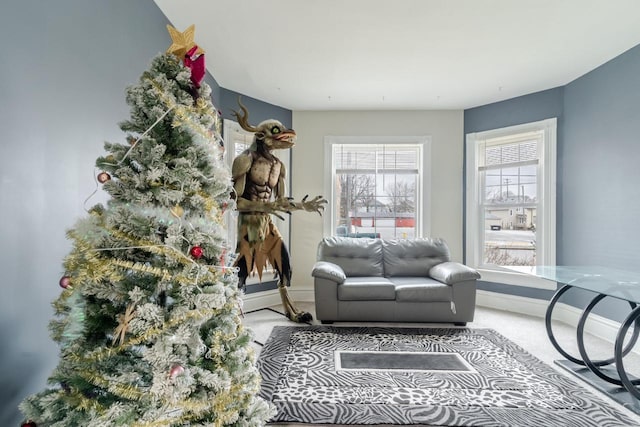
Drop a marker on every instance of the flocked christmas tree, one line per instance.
(149, 318)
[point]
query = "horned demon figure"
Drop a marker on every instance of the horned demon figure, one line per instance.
(259, 184)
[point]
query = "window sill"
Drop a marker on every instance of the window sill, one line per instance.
(516, 279)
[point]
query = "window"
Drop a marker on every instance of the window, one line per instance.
(511, 200)
(376, 187)
(236, 140)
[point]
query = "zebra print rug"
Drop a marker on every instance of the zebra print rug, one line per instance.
(505, 385)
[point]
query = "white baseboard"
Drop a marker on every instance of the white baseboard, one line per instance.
(512, 303)
(598, 326)
(302, 295)
(260, 300)
(265, 299)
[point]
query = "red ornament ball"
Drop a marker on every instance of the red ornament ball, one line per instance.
(196, 252)
(65, 282)
(103, 177)
(176, 370)
(29, 424)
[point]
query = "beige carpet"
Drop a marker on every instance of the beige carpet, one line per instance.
(526, 331)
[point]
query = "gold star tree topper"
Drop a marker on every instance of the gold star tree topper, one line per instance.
(182, 42)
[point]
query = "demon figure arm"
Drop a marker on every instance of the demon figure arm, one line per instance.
(281, 203)
(314, 205)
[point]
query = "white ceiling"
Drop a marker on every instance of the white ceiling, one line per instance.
(403, 54)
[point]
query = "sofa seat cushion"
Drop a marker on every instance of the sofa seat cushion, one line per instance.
(366, 289)
(420, 289)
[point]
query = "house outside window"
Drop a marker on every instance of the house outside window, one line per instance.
(510, 220)
(376, 187)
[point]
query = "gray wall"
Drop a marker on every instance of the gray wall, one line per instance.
(598, 190)
(523, 109)
(65, 67)
(601, 166)
(258, 110)
(600, 173)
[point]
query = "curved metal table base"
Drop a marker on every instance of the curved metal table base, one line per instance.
(633, 318)
(620, 350)
(547, 321)
(594, 366)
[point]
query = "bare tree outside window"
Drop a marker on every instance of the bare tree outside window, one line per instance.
(356, 191)
(402, 195)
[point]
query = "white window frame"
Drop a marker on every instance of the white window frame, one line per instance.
(546, 193)
(423, 189)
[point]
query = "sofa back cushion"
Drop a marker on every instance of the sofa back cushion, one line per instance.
(413, 257)
(356, 256)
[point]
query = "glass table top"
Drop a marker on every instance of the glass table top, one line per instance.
(616, 283)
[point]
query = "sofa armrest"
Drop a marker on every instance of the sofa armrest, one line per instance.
(329, 271)
(452, 272)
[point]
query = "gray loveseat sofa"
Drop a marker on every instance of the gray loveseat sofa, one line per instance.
(392, 281)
